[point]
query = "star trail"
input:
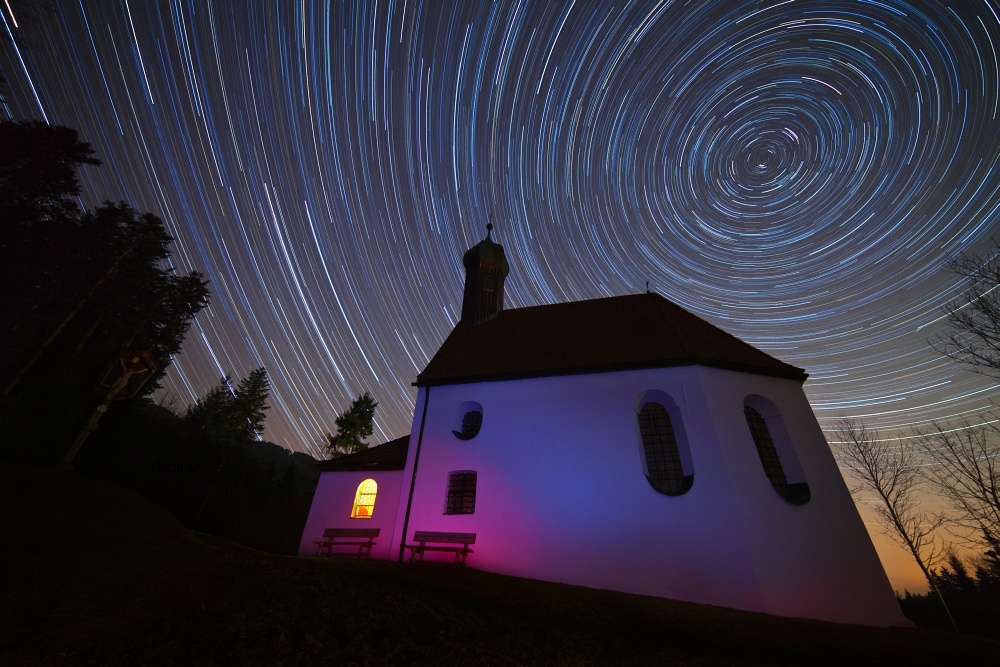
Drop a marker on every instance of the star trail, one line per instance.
(794, 172)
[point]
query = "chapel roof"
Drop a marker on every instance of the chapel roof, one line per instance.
(388, 456)
(599, 335)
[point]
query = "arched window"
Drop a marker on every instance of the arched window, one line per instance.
(664, 453)
(771, 440)
(364, 500)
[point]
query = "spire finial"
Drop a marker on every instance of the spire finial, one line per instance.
(489, 228)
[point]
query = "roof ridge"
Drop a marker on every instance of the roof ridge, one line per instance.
(645, 330)
(662, 305)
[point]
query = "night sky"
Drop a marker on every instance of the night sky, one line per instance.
(795, 172)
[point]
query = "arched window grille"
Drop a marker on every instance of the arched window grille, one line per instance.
(364, 500)
(770, 460)
(664, 468)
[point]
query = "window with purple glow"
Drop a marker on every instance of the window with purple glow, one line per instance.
(461, 493)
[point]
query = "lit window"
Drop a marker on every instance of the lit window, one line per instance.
(664, 468)
(364, 500)
(461, 493)
(795, 493)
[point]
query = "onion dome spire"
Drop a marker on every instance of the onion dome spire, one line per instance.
(485, 271)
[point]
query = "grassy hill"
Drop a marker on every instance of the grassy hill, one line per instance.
(96, 575)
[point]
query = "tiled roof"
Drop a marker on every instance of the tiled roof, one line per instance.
(600, 335)
(390, 456)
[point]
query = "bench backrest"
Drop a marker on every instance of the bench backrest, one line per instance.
(447, 538)
(351, 532)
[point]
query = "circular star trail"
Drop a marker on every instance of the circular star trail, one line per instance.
(795, 172)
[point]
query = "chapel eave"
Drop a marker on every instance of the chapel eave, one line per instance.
(388, 456)
(796, 374)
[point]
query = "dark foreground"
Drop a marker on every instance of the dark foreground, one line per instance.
(95, 575)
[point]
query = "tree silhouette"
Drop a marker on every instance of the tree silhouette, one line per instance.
(973, 336)
(38, 172)
(964, 468)
(228, 419)
(352, 428)
(250, 403)
(964, 457)
(232, 416)
(80, 286)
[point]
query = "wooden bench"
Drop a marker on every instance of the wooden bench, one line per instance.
(362, 538)
(457, 543)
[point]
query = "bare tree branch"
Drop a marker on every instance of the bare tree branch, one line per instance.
(974, 317)
(963, 466)
(891, 472)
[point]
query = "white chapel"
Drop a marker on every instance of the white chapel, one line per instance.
(619, 443)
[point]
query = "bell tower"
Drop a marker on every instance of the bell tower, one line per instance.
(485, 271)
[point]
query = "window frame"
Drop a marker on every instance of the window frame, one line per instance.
(664, 448)
(461, 493)
(468, 426)
(360, 494)
(774, 450)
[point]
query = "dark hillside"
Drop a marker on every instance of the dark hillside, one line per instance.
(255, 493)
(96, 575)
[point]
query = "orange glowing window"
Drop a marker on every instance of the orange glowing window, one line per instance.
(364, 500)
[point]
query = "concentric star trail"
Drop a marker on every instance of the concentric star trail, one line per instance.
(795, 172)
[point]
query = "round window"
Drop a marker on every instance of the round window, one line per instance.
(471, 421)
